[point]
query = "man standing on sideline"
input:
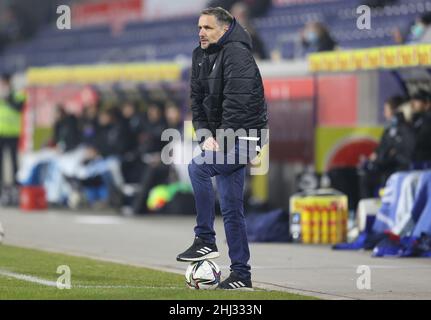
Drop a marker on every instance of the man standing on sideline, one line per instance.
(11, 105)
(226, 94)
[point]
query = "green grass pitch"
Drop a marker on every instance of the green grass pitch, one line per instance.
(93, 279)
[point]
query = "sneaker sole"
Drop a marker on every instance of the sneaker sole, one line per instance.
(211, 255)
(237, 289)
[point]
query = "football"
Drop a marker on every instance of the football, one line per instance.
(203, 275)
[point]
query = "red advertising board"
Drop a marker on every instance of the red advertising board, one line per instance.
(292, 88)
(337, 100)
(291, 119)
(106, 12)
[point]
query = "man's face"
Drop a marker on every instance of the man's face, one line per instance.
(388, 113)
(210, 31)
(173, 115)
(128, 110)
(418, 106)
(4, 89)
(105, 119)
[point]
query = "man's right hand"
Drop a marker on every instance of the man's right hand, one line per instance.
(210, 144)
(373, 157)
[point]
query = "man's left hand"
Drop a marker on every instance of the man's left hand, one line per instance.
(211, 144)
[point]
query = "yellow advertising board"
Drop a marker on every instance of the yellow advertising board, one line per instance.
(373, 59)
(409, 56)
(335, 146)
(87, 74)
(391, 57)
(424, 54)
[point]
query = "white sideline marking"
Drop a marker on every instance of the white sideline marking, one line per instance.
(98, 220)
(28, 278)
(48, 283)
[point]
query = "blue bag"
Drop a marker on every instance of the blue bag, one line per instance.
(272, 226)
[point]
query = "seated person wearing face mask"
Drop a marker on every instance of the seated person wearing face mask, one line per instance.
(421, 123)
(393, 153)
(316, 38)
(420, 32)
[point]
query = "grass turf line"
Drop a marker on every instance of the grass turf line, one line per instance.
(94, 279)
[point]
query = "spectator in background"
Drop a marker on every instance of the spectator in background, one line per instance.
(401, 34)
(100, 173)
(173, 116)
(150, 137)
(241, 12)
(174, 120)
(88, 124)
(420, 32)
(393, 153)
(154, 172)
(66, 131)
(133, 124)
(20, 19)
(8, 26)
(315, 37)
(11, 106)
(111, 134)
(421, 105)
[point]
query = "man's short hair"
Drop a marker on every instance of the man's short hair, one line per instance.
(395, 102)
(426, 18)
(222, 16)
(421, 95)
(6, 77)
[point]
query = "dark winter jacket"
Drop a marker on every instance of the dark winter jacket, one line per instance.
(150, 141)
(226, 85)
(88, 128)
(422, 128)
(396, 146)
(110, 140)
(133, 127)
(66, 133)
